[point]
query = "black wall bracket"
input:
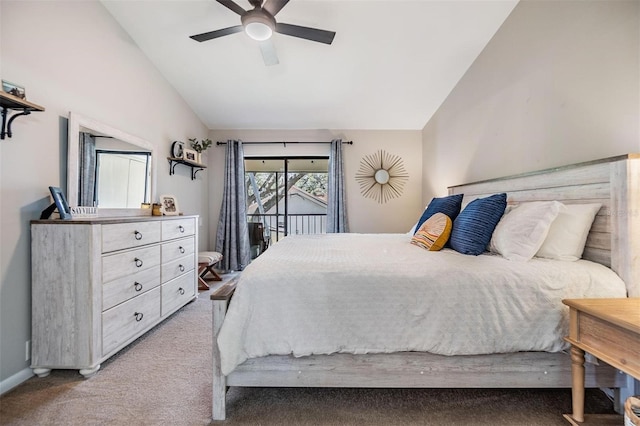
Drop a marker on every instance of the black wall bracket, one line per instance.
(11, 102)
(195, 167)
(6, 125)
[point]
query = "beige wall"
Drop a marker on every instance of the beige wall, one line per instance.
(559, 83)
(365, 214)
(72, 56)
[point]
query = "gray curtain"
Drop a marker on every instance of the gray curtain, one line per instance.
(233, 234)
(86, 186)
(337, 202)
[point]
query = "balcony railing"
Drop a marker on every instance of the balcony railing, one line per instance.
(274, 224)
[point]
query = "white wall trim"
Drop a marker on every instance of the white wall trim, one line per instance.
(11, 382)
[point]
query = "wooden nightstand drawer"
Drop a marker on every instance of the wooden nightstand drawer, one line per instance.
(612, 344)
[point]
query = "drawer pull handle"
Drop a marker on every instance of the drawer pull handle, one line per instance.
(181, 249)
(138, 262)
(137, 286)
(181, 268)
(138, 235)
(181, 290)
(181, 228)
(138, 316)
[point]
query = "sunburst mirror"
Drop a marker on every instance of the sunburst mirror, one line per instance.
(381, 176)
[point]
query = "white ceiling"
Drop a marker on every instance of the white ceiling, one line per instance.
(391, 64)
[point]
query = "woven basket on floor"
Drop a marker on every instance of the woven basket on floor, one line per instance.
(632, 411)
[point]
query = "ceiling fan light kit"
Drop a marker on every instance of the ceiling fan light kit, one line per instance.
(260, 23)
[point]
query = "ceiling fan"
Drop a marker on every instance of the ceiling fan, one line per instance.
(260, 23)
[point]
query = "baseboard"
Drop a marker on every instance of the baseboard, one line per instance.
(11, 382)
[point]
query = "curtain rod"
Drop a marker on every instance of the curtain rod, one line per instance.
(282, 142)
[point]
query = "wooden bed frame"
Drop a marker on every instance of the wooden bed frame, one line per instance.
(614, 182)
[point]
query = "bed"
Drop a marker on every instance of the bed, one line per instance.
(348, 358)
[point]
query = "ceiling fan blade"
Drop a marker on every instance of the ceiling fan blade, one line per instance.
(269, 54)
(312, 34)
(217, 33)
(233, 6)
(274, 6)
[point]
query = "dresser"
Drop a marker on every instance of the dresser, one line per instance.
(99, 284)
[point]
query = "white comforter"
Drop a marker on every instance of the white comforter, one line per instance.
(368, 293)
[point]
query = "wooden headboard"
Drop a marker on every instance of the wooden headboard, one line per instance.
(614, 238)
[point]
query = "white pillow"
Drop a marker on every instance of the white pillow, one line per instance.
(568, 233)
(523, 229)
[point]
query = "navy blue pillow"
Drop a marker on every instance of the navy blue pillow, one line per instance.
(448, 205)
(474, 226)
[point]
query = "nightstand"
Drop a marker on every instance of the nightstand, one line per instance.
(608, 329)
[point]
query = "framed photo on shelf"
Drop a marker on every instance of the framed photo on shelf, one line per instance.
(13, 89)
(190, 155)
(169, 205)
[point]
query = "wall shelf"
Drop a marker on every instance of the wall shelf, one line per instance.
(195, 167)
(11, 102)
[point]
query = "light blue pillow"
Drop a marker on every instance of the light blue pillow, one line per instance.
(448, 205)
(474, 226)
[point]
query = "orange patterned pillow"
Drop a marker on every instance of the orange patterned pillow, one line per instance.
(434, 232)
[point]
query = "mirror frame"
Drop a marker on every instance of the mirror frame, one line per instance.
(78, 123)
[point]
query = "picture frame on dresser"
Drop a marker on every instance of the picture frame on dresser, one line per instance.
(59, 202)
(169, 205)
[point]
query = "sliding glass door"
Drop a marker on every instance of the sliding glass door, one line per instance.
(285, 195)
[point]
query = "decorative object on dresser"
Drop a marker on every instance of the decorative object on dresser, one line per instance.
(98, 284)
(381, 176)
(169, 205)
(83, 212)
(59, 203)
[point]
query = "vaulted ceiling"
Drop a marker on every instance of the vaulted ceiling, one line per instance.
(391, 65)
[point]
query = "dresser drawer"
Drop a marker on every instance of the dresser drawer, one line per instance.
(129, 262)
(121, 289)
(178, 248)
(175, 268)
(127, 235)
(177, 292)
(178, 228)
(129, 319)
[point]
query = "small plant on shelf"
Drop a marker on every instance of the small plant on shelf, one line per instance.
(200, 146)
